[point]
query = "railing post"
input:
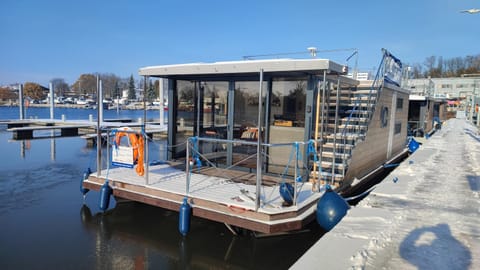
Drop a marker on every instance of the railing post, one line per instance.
(145, 138)
(187, 167)
(296, 174)
(337, 105)
(259, 144)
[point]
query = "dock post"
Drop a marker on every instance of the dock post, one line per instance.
(100, 101)
(52, 95)
(99, 136)
(21, 102)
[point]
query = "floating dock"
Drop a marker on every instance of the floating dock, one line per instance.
(219, 195)
(424, 215)
(27, 129)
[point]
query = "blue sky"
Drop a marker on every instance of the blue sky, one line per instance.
(41, 40)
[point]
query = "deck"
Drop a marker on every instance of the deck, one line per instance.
(26, 129)
(219, 195)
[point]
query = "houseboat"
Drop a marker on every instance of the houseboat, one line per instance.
(426, 114)
(256, 144)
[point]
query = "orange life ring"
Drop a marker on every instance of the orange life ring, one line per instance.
(137, 142)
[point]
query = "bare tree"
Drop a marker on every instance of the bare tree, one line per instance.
(60, 86)
(86, 84)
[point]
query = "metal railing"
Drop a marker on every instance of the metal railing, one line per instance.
(194, 156)
(355, 112)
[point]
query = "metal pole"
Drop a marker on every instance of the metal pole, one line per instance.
(472, 104)
(337, 105)
(199, 108)
(100, 101)
(108, 148)
(145, 78)
(21, 102)
(474, 90)
(99, 134)
(324, 90)
(144, 133)
(146, 158)
(52, 95)
(259, 142)
(187, 167)
(160, 93)
(317, 121)
(296, 175)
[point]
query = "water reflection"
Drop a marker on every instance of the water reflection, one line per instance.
(52, 147)
(136, 235)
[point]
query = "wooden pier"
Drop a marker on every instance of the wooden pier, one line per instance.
(26, 129)
(24, 133)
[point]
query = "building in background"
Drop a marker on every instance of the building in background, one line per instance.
(450, 88)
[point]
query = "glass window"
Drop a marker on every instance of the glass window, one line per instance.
(246, 106)
(398, 128)
(201, 110)
(213, 119)
(288, 103)
(245, 120)
(287, 121)
(399, 103)
(185, 115)
(215, 107)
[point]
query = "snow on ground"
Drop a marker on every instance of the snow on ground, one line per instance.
(428, 219)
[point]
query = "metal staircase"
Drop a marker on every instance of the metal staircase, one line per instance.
(344, 119)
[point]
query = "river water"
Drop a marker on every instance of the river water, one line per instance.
(46, 224)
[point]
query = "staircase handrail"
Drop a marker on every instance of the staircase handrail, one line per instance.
(380, 70)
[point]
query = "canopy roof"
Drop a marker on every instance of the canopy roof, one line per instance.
(246, 68)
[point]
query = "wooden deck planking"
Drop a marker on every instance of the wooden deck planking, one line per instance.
(212, 197)
(212, 188)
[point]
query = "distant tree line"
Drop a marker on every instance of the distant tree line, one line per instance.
(86, 85)
(438, 67)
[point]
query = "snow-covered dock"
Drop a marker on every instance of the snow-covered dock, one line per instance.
(424, 215)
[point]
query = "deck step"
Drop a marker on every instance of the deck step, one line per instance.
(328, 165)
(350, 120)
(354, 98)
(329, 154)
(358, 112)
(349, 126)
(348, 136)
(338, 145)
(352, 104)
(327, 175)
(373, 92)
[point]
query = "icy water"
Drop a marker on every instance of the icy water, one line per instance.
(44, 223)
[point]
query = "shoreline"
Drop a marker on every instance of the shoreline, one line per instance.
(138, 106)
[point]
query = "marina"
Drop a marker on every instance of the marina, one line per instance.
(239, 135)
(39, 185)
